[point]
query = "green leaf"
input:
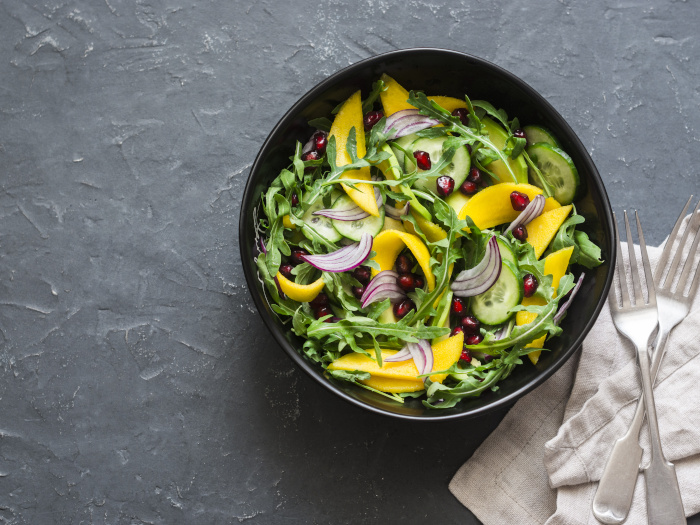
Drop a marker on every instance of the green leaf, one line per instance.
(368, 104)
(323, 123)
(589, 254)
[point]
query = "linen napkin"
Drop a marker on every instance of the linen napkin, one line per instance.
(542, 464)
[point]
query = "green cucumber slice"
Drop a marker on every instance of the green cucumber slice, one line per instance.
(507, 253)
(559, 170)
(354, 229)
(458, 168)
(321, 225)
(493, 306)
(535, 134)
(403, 142)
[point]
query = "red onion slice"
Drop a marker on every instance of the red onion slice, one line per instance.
(415, 126)
(391, 291)
(401, 355)
(421, 353)
(344, 259)
(428, 357)
(392, 119)
(396, 213)
(534, 209)
(477, 280)
(418, 356)
(563, 308)
(385, 276)
(407, 121)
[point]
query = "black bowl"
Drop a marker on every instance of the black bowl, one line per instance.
(437, 72)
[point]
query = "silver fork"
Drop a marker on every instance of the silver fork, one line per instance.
(613, 498)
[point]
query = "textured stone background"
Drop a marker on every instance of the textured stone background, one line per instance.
(138, 382)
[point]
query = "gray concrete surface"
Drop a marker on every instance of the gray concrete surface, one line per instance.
(138, 383)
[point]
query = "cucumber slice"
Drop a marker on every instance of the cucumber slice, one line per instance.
(507, 253)
(493, 306)
(535, 134)
(558, 168)
(321, 225)
(458, 168)
(354, 229)
(403, 142)
(498, 136)
(457, 200)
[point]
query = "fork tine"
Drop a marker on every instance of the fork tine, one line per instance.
(621, 273)
(690, 258)
(663, 260)
(634, 270)
(679, 251)
(651, 293)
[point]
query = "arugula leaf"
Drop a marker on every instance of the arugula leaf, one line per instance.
(586, 253)
(547, 187)
(499, 114)
(377, 88)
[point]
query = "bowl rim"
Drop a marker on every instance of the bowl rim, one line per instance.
(250, 270)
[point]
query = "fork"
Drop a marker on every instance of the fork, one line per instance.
(613, 498)
(636, 319)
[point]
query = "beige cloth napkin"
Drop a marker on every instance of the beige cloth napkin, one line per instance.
(542, 464)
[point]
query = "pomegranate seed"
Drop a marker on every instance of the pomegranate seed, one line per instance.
(463, 115)
(320, 300)
(458, 307)
(358, 291)
(407, 282)
(456, 330)
(286, 270)
(487, 358)
(295, 199)
(371, 119)
(320, 142)
(362, 274)
(402, 308)
(310, 155)
(403, 264)
(473, 339)
(470, 324)
(520, 233)
(468, 187)
(475, 176)
(322, 311)
(296, 256)
(519, 201)
(530, 285)
(419, 281)
(445, 185)
(466, 355)
(519, 133)
(422, 159)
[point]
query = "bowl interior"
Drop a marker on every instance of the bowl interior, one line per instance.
(438, 72)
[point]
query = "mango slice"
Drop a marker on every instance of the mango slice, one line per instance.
(300, 292)
(445, 354)
(394, 96)
(542, 229)
(432, 231)
(491, 206)
(449, 103)
(394, 386)
(555, 264)
(388, 245)
(350, 116)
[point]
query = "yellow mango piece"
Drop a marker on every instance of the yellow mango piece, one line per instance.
(388, 245)
(394, 96)
(449, 103)
(287, 223)
(542, 229)
(300, 292)
(350, 116)
(555, 264)
(394, 386)
(491, 206)
(432, 231)
(445, 354)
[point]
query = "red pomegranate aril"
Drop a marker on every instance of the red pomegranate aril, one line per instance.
(320, 142)
(310, 155)
(320, 300)
(466, 355)
(286, 270)
(323, 311)
(407, 282)
(296, 256)
(422, 160)
(295, 199)
(456, 330)
(519, 201)
(462, 114)
(357, 291)
(519, 133)
(445, 185)
(475, 176)
(470, 324)
(530, 285)
(473, 339)
(362, 274)
(520, 233)
(402, 308)
(371, 119)
(458, 307)
(418, 280)
(403, 264)
(468, 187)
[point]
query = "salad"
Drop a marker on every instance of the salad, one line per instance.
(422, 245)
